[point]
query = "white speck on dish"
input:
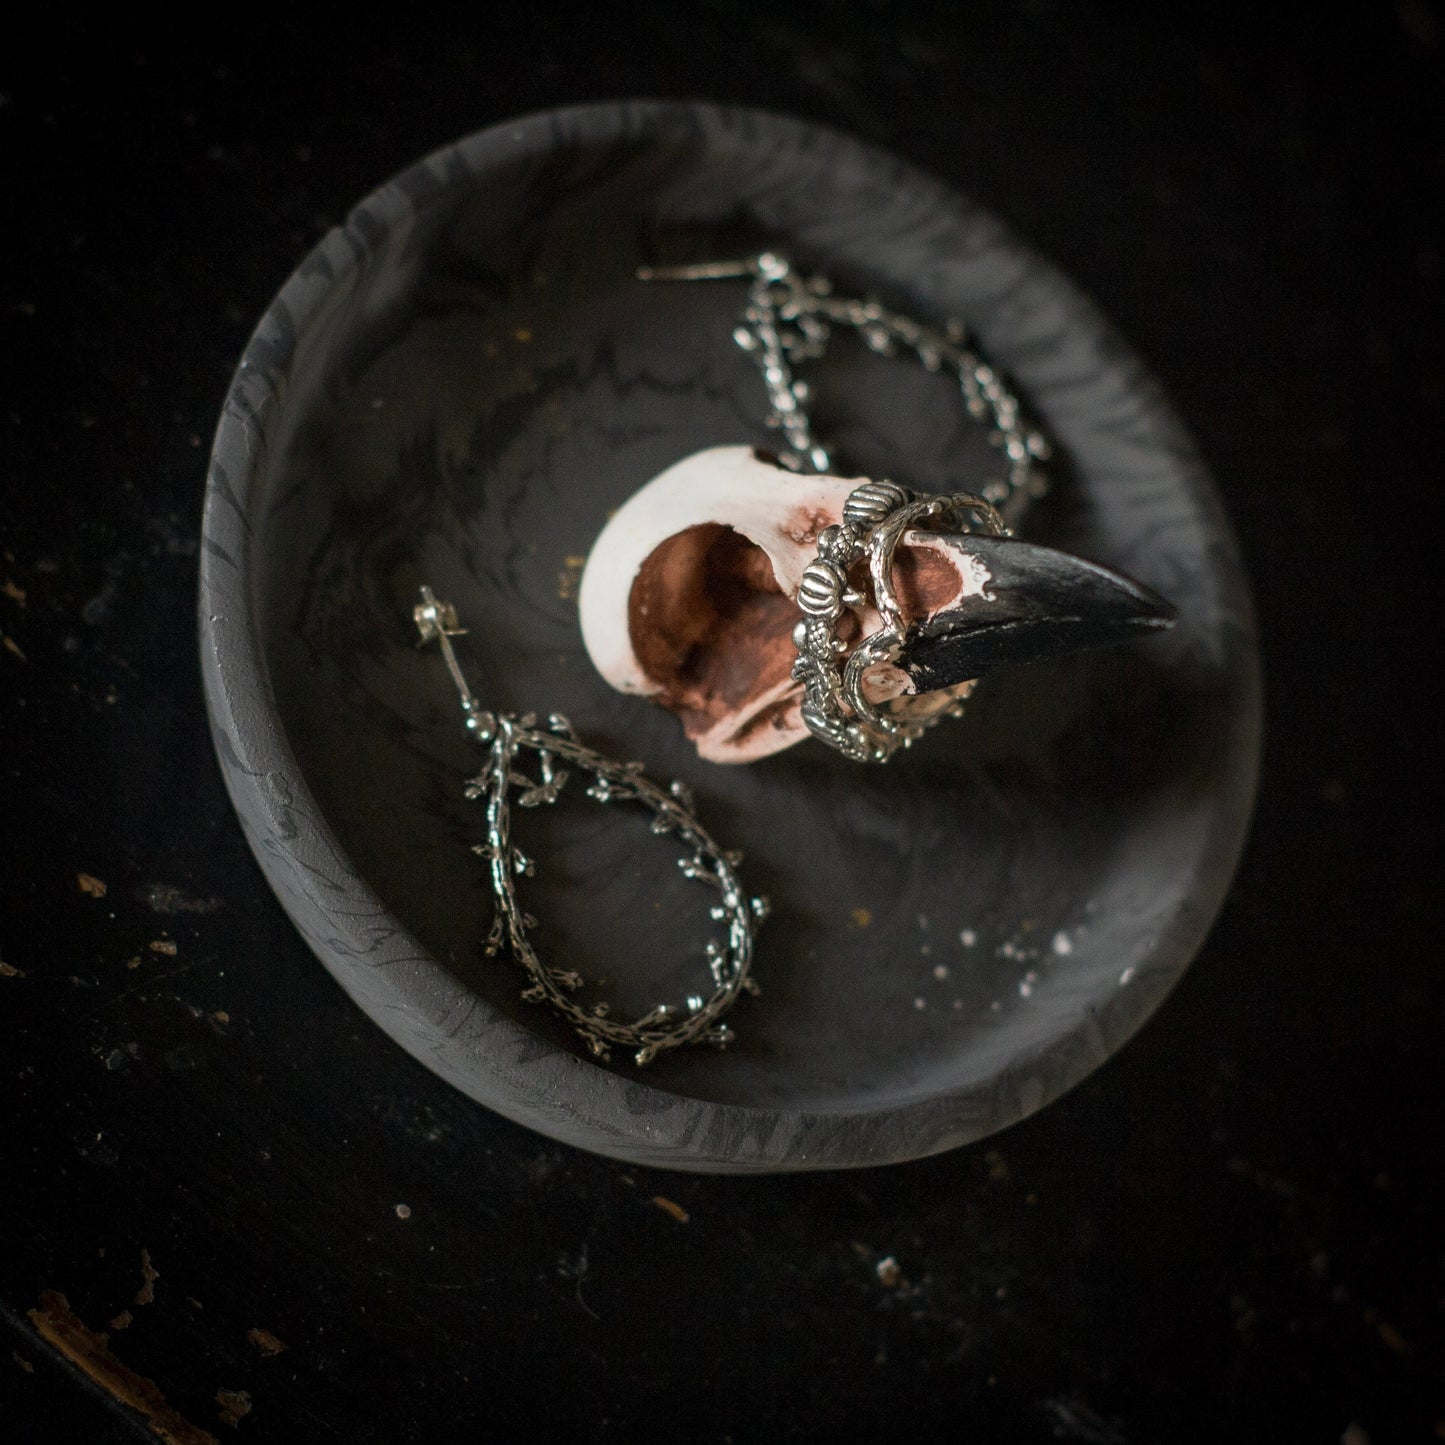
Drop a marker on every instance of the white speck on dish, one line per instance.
(958, 1003)
(920, 1003)
(1063, 944)
(925, 949)
(968, 938)
(1026, 984)
(923, 921)
(940, 971)
(996, 1005)
(1126, 975)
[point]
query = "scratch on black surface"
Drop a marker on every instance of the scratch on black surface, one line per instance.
(91, 1355)
(576, 1267)
(145, 983)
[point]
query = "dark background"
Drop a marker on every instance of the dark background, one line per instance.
(1233, 1231)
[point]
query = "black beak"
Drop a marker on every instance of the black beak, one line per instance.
(1035, 603)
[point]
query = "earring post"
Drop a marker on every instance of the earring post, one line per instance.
(700, 271)
(437, 621)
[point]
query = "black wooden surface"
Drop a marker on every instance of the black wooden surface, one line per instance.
(1231, 1231)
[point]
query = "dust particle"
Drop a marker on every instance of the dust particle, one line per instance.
(860, 917)
(12, 646)
(968, 937)
(1390, 1337)
(521, 334)
(89, 884)
(133, 961)
(22, 1362)
(167, 898)
(672, 1207)
(221, 1016)
(569, 576)
(162, 945)
(265, 1341)
(8, 970)
(890, 1275)
(235, 1406)
(149, 1274)
(14, 593)
(122, 1321)
(403, 1211)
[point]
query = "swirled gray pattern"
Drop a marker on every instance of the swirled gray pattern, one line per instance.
(457, 386)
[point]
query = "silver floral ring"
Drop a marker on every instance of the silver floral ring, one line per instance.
(835, 706)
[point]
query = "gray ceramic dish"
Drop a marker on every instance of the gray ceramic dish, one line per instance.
(457, 386)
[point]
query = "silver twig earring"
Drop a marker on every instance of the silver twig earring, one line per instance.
(506, 736)
(790, 318)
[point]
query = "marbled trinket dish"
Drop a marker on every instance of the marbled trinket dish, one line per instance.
(457, 387)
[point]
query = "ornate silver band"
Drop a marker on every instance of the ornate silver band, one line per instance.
(836, 707)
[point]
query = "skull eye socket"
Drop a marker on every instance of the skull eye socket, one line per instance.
(710, 625)
(712, 630)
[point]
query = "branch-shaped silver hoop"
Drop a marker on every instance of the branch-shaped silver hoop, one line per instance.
(507, 737)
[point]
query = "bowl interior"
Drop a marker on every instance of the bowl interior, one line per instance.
(465, 401)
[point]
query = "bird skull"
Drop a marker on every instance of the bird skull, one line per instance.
(692, 591)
